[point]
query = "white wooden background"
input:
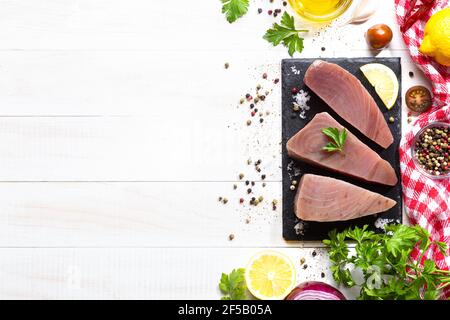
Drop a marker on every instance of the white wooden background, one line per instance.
(119, 128)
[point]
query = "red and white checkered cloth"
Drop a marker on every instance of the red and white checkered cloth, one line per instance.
(427, 201)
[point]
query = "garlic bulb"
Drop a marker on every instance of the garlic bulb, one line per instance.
(363, 11)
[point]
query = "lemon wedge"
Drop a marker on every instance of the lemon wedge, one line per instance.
(384, 80)
(270, 275)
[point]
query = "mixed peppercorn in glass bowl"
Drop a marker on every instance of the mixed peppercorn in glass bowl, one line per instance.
(431, 149)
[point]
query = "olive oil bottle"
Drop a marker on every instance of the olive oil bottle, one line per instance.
(320, 10)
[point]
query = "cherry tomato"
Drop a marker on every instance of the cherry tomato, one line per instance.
(379, 36)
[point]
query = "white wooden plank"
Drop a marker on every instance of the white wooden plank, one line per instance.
(138, 214)
(133, 273)
(194, 84)
(174, 148)
(158, 25)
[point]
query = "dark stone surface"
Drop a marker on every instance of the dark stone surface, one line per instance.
(292, 123)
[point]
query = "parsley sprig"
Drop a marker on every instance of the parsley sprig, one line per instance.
(337, 137)
(233, 285)
(234, 9)
(385, 261)
(287, 34)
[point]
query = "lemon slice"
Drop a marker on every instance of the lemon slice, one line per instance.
(384, 80)
(270, 275)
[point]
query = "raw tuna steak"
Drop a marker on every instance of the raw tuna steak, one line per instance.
(345, 94)
(326, 199)
(356, 160)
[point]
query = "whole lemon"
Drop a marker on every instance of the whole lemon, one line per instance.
(436, 41)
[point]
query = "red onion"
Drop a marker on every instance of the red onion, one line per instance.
(314, 290)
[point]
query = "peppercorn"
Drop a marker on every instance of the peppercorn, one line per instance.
(411, 74)
(241, 175)
(241, 200)
(249, 190)
(260, 199)
(431, 151)
(231, 237)
(302, 261)
(294, 90)
(261, 120)
(247, 183)
(234, 186)
(242, 101)
(294, 182)
(262, 97)
(391, 119)
(305, 266)
(253, 183)
(270, 12)
(275, 14)
(323, 49)
(322, 275)
(263, 177)
(260, 11)
(249, 122)
(276, 80)
(220, 199)
(264, 76)
(292, 187)
(226, 65)
(225, 200)
(284, 3)
(314, 253)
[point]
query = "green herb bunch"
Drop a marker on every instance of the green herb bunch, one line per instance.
(284, 32)
(233, 285)
(385, 261)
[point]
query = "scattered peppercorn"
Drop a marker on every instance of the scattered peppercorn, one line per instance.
(264, 185)
(302, 261)
(241, 200)
(249, 190)
(247, 183)
(226, 65)
(261, 120)
(294, 90)
(249, 161)
(294, 182)
(225, 200)
(284, 3)
(220, 199)
(261, 198)
(242, 101)
(322, 275)
(409, 120)
(276, 80)
(247, 221)
(258, 162)
(305, 266)
(275, 14)
(234, 186)
(292, 187)
(263, 177)
(265, 74)
(231, 237)
(249, 122)
(314, 253)
(391, 119)
(253, 183)
(270, 12)
(411, 74)
(323, 49)
(241, 176)
(260, 11)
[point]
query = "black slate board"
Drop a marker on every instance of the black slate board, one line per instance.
(294, 228)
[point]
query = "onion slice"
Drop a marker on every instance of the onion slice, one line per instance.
(315, 290)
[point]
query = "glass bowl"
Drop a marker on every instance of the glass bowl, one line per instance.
(421, 168)
(320, 10)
